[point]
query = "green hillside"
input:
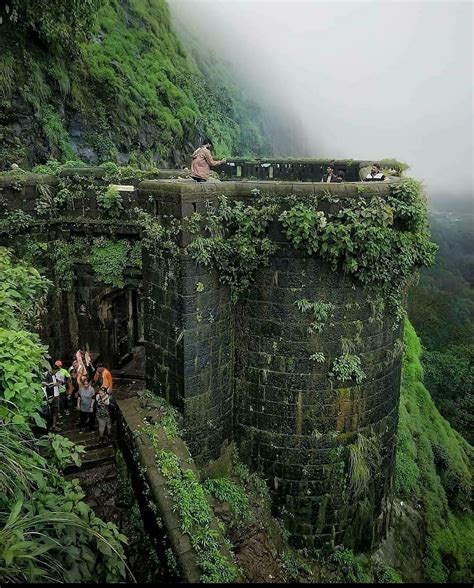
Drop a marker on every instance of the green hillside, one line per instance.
(434, 469)
(109, 79)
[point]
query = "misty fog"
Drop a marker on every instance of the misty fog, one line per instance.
(357, 79)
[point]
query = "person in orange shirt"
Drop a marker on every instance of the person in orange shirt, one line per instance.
(103, 378)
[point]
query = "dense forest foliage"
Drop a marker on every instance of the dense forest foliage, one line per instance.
(109, 79)
(442, 311)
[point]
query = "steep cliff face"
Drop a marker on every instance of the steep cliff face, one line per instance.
(433, 475)
(109, 79)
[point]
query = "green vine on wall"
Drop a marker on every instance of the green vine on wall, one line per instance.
(232, 238)
(378, 242)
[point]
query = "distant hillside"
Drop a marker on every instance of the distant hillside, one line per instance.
(441, 309)
(109, 79)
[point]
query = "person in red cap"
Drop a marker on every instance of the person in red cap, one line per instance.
(63, 380)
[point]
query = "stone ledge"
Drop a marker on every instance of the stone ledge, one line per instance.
(140, 450)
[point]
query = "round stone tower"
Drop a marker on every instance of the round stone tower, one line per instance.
(317, 380)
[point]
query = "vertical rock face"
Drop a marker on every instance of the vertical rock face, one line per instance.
(300, 426)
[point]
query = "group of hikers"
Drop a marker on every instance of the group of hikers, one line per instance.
(202, 161)
(83, 387)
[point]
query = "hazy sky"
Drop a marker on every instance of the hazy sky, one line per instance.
(366, 79)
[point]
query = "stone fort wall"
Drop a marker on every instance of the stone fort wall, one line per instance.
(244, 373)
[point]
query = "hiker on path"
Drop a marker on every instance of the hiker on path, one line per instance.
(62, 377)
(85, 404)
(202, 162)
(51, 393)
(102, 401)
(103, 377)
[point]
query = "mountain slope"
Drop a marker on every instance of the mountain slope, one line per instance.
(434, 470)
(109, 79)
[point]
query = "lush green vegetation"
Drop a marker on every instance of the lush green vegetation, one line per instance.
(47, 532)
(113, 74)
(190, 502)
(379, 243)
(441, 308)
(434, 468)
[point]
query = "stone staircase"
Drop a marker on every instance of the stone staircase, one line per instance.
(95, 454)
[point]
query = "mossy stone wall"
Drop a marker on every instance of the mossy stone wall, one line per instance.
(246, 372)
(293, 420)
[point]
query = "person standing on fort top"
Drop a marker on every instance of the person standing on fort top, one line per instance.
(202, 162)
(329, 176)
(375, 174)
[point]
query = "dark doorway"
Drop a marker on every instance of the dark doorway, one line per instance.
(124, 336)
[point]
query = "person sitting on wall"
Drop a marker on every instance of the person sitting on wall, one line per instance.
(375, 174)
(202, 162)
(340, 176)
(329, 176)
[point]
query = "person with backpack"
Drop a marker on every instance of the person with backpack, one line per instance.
(51, 393)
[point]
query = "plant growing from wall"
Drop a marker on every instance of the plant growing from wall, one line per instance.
(194, 512)
(109, 259)
(379, 243)
(225, 490)
(45, 202)
(232, 238)
(301, 223)
(320, 312)
(347, 367)
(364, 461)
(15, 222)
(110, 202)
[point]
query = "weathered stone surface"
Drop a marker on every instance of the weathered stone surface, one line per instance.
(246, 372)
